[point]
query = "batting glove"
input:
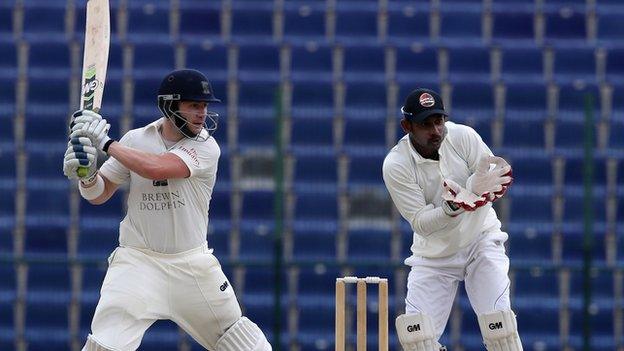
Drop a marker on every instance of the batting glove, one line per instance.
(458, 199)
(80, 153)
(491, 183)
(97, 132)
(80, 117)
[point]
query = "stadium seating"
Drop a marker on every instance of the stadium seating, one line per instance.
(521, 73)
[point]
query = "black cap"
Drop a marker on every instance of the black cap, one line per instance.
(422, 103)
(187, 85)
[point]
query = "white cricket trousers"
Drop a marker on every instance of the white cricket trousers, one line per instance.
(483, 266)
(142, 286)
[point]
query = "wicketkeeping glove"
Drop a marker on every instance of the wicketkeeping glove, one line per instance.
(458, 199)
(491, 183)
(79, 153)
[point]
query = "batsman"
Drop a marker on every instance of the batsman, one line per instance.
(443, 179)
(163, 267)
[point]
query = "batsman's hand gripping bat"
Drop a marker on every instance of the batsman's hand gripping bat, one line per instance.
(95, 58)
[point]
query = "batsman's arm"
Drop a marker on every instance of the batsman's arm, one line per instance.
(109, 189)
(149, 165)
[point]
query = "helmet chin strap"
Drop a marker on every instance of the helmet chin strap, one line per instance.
(182, 124)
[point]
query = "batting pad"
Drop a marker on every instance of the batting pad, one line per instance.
(244, 335)
(416, 332)
(500, 331)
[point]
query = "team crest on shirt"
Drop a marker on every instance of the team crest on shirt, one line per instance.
(426, 100)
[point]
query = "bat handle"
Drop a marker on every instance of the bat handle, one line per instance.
(82, 171)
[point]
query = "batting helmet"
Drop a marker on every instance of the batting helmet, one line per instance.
(186, 85)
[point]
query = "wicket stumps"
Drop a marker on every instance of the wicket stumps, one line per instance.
(361, 283)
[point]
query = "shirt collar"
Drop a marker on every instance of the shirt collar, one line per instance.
(418, 158)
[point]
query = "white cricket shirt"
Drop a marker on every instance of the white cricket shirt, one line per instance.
(416, 186)
(169, 215)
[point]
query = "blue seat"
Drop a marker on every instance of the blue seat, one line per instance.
(522, 65)
(356, 24)
(408, 25)
(46, 163)
(574, 169)
(564, 24)
(610, 27)
(304, 21)
(472, 101)
(162, 335)
(573, 241)
(316, 205)
(6, 20)
(259, 62)
(315, 169)
(257, 100)
(460, 25)
(525, 99)
(570, 134)
(7, 107)
(535, 283)
(416, 66)
(49, 59)
(220, 204)
(112, 100)
(513, 26)
(572, 100)
(529, 242)
(146, 92)
(45, 117)
(528, 133)
(256, 132)
(365, 134)
(258, 205)
(617, 113)
(533, 169)
(113, 209)
(98, 239)
(616, 131)
(369, 244)
(219, 237)
(538, 323)
(48, 281)
(8, 61)
(316, 326)
(364, 64)
(314, 240)
(312, 100)
(312, 133)
(45, 239)
(530, 204)
(210, 59)
(44, 21)
(365, 169)
(573, 64)
(252, 22)
(199, 22)
(316, 284)
(360, 104)
(482, 126)
(148, 22)
(257, 238)
(153, 59)
(469, 65)
(615, 65)
(311, 62)
(50, 204)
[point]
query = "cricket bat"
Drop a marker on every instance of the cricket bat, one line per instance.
(95, 58)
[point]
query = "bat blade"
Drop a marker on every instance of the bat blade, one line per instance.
(95, 58)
